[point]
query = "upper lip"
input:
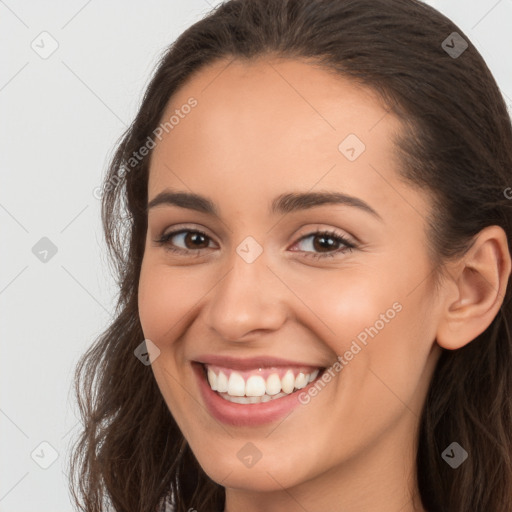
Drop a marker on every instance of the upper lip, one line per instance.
(248, 363)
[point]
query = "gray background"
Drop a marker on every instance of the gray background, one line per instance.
(61, 117)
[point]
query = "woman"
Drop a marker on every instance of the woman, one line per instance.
(311, 229)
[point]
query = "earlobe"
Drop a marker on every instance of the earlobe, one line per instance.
(476, 289)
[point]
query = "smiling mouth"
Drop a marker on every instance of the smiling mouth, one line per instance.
(258, 385)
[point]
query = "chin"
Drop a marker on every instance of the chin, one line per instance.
(264, 476)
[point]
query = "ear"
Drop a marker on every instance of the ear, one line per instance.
(475, 290)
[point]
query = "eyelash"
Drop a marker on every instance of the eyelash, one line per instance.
(349, 246)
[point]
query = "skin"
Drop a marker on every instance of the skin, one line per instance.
(261, 129)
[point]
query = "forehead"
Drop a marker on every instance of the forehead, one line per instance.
(269, 126)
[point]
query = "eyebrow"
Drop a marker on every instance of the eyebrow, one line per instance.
(282, 204)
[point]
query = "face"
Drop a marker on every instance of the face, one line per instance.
(307, 253)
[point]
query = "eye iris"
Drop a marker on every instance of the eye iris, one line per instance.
(327, 242)
(194, 237)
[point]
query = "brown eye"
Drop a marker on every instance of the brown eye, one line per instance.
(190, 240)
(322, 243)
(325, 243)
(195, 239)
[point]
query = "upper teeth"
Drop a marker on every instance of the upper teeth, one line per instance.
(256, 385)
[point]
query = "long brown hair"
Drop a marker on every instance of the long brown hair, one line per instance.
(458, 146)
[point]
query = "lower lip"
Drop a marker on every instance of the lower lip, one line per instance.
(244, 415)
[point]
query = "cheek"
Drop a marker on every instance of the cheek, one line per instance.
(345, 302)
(378, 318)
(166, 296)
(154, 299)
(386, 350)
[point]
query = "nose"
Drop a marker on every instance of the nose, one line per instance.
(249, 299)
